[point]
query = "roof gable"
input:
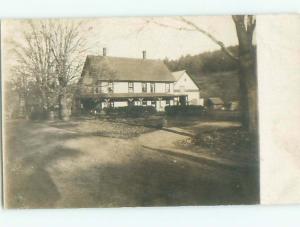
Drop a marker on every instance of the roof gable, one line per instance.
(182, 78)
(125, 69)
(178, 74)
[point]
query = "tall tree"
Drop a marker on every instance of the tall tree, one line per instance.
(34, 63)
(51, 55)
(246, 59)
(67, 46)
(245, 26)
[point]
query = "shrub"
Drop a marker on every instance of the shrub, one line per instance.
(38, 114)
(131, 111)
(226, 140)
(184, 110)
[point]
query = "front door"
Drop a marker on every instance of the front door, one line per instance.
(182, 100)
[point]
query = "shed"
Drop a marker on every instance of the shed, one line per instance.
(234, 105)
(215, 103)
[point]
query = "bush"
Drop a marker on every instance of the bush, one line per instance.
(184, 110)
(131, 111)
(227, 140)
(38, 114)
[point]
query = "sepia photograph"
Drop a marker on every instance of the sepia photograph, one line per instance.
(130, 112)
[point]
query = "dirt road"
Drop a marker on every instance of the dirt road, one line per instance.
(52, 166)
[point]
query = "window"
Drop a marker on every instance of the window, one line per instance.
(110, 87)
(153, 103)
(167, 88)
(144, 103)
(97, 89)
(144, 87)
(130, 87)
(152, 87)
(168, 102)
(99, 86)
(111, 104)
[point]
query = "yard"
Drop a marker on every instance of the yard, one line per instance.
(103, 163)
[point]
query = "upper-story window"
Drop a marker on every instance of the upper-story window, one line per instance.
(98, 87)
(167, 87)
(144, 87)
(130, 87)
(110, 88)
(152, 87)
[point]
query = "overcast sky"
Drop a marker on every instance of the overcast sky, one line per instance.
(129, 36)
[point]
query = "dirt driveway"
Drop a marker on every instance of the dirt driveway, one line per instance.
(104, 164)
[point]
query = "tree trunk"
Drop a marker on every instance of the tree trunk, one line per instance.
(248, 91)
(247, 77)
(63, 110)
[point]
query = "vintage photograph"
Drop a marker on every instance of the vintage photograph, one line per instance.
(130, 112)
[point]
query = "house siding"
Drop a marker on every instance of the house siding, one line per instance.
(122, 87)
(185, 85)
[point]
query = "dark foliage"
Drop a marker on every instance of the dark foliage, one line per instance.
(131, 111)
(185, 110)
(207, 62)
(227, 140)
(38, 114)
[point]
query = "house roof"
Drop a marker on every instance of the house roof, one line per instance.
(216, 101)
(178, 74)
(125, 69)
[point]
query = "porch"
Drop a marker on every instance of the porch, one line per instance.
(97, 102)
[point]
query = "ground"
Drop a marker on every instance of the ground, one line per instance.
(100, 163)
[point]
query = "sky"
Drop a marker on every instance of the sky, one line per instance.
(129, 36)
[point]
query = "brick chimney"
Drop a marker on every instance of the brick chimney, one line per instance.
(144, 54)
(104, 51)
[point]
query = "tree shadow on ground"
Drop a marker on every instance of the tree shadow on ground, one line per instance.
(30, 185)
(154, 182)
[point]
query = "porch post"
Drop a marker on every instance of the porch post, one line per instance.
(141, 101)
(130, 102)
(107, 102)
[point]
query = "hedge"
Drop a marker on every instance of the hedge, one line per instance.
(131, 111)
(184, 110)
(38, 114)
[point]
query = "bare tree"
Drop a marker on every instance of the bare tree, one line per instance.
(51, 54)
(67, 47)
(245, 26)
(34, 61)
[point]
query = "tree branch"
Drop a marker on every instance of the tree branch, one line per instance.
(215, 40)
(174, 27)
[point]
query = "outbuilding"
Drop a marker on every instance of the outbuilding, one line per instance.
(215, 103)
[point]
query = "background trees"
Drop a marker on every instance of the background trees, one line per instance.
(207, 62)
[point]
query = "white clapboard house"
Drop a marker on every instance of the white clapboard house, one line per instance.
(185, 85)
(116, 81)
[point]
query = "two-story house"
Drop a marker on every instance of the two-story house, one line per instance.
(115, 82)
